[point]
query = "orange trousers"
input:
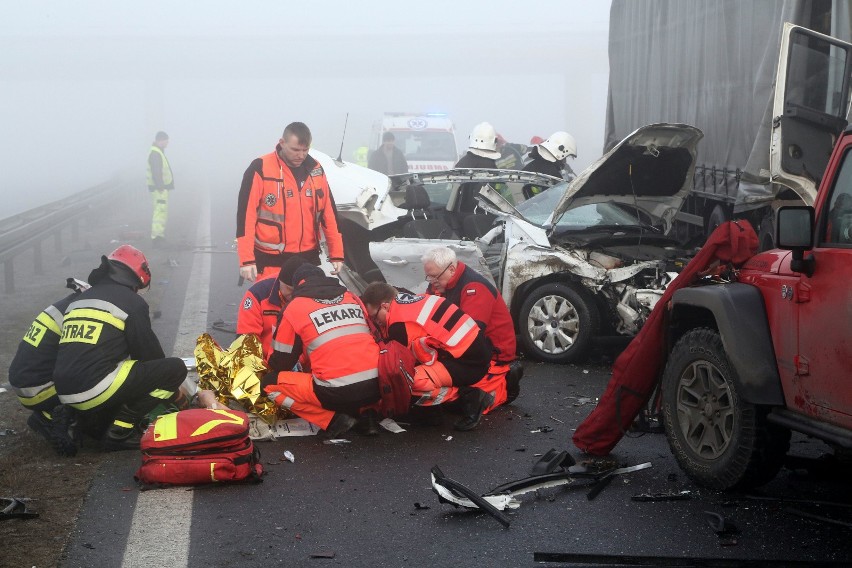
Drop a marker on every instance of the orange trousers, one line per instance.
(433, 385)
(295, 391)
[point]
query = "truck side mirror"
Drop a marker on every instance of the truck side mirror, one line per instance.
(794, 231)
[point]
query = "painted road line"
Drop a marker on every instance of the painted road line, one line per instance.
(160, 531)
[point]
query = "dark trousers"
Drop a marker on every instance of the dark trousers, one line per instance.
(147, 384)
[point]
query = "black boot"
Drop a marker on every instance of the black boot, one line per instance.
(60, 433)
(340, 424)
(513, 381)
(60, 429)
(473, 402)
(125, 432)
(368, 423)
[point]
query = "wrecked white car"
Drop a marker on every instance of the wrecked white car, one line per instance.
(580, 261)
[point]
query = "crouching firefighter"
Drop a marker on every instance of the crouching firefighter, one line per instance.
(31, 375)
(325, 325)
(452, 350)
(110, 366)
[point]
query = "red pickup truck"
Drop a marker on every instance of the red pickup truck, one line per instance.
(770, 352)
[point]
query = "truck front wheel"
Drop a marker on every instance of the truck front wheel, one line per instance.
(719, 440)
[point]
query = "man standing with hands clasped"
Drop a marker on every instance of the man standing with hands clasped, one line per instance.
(284, 203)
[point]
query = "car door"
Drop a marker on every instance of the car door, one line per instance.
(824, 355)
(399, 260)
(809, 109)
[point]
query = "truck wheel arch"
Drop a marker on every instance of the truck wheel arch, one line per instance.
(738, 313)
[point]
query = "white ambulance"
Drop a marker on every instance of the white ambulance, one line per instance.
(428, 140)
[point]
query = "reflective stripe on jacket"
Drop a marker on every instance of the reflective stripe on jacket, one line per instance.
(31, 370)
(435, 317)
(275, 215)
(106, 325)
(478, 298)
(342, 352)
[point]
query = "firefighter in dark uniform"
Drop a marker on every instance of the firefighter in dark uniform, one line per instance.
(551, 158)
(110, 367)
(481, 153)
(31, 375)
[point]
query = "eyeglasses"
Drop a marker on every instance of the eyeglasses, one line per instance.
(375, 314)
(435, 278)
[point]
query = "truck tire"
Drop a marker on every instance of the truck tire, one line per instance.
(719, 440)
(557, 323)
(718, 215)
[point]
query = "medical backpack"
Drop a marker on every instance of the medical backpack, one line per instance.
(197, 446)
(396, 372)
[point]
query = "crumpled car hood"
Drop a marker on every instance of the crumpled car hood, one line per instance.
(651, 168)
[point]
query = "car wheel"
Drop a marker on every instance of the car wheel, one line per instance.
(557, 323)
(719, 440)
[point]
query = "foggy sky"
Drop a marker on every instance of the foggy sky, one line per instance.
(87, 84)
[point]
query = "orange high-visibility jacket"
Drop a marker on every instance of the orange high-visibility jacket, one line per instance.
(436, 318)
(342, 352)
(274, 215)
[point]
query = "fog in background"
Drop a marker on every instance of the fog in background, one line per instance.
(87, 84)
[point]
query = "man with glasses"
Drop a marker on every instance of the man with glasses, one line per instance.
(451, 349)
(478, 298)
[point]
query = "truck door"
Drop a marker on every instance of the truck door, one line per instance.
(824, 300)
(810, 107)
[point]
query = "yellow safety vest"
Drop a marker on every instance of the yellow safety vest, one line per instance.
(167, 169)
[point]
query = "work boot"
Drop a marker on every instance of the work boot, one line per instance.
(62, 445)
(368, 423)
(125, 431)
(513, 381)
(60, 429)
(119, 437)
(340, 424)
(474, 403)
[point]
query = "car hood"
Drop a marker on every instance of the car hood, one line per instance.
(652, 169)
(360, 194)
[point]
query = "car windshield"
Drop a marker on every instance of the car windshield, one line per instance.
(538, 209)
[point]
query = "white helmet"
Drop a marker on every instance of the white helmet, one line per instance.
(483, 141)
(560, 145)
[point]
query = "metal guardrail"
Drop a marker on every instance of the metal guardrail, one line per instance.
(28, 230)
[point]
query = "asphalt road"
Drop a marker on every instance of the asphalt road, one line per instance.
(370, 502)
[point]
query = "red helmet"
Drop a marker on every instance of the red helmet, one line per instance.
(536, 140)
(133, 259)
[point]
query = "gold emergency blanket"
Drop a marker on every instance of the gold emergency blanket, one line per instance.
(235, 374)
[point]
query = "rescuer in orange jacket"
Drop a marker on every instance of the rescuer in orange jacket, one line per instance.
(263, 302)
(451, 348)
(284, 203)
(326, 322)
(478, 298)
